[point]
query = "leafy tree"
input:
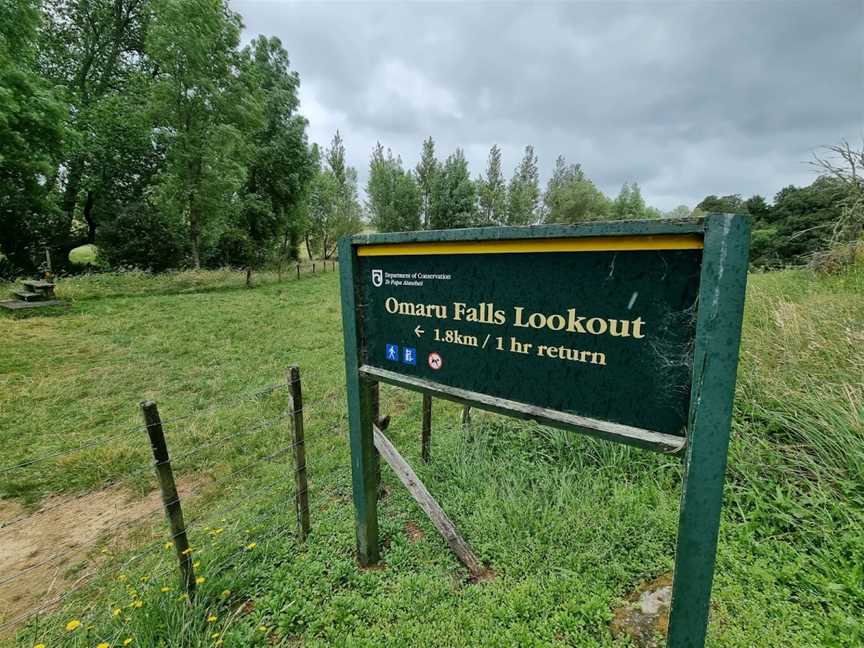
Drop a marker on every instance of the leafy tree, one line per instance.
(426, 172)
(629, 204)
(281, 165)
(142, 236)
(758, 209)
(681, 211)
(94, 50)
(332, 207)
(571, 197)
(31, 140)
(492, 191)
(731, 204)
(524, 191)
(802, 220)
(393, 194)
(203, 112)
(453, 200)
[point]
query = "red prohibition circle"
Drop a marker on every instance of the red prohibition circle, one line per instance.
(435, 361)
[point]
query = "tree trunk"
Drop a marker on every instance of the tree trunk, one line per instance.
(70, 193)
(88, 217)
(194, 233)
(309, 249)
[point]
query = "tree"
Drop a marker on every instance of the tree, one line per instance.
(731, 204)
(492, 191)
(524, 191)
(453, 199)
(281, 165)
(629, 204)
(94, 50)
(758, 209)
(203, 113)
(571, 197)
(427, 170)
(681, 211)
(844, 164)
(393, 194)
(332, 207)
(31, 135)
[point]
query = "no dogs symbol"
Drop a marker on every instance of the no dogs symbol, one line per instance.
(435, 361)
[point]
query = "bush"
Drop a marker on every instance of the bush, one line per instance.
(84, 255)
(142, 237)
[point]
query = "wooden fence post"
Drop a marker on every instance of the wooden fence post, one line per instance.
(426, 433)
(466, 416)
(170, 497)
(313, 267)
(298, 270)
(301, 485)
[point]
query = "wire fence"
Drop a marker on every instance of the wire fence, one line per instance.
(74, 549)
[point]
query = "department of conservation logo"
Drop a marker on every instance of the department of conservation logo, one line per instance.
(377, 278)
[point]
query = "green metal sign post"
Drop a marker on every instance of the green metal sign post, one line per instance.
(628, 331)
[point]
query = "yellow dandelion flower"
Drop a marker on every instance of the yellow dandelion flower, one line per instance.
(168, 545)
(262, 628)
(215, 635)
(127, 641)
(251, 545)
(218, 643)
(187, 551)
(144, 579)
(212, 618)
(104, 644)
(196, 564)
(165, 589)
(117, 612)
(200, 580)
(137, 603)
(39, 646)
(74, 624)
(122, 578)
(217, 531)
(225, 593)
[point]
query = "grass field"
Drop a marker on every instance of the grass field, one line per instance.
(568, 525)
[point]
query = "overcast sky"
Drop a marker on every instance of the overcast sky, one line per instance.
(686, 98)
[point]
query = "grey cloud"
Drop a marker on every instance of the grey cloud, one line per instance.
(687, 98)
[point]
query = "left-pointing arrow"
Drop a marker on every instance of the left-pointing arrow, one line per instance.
(418, 331)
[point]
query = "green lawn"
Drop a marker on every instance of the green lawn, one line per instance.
(568, 525)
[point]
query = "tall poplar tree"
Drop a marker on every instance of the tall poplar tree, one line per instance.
(426, 171)
(492, 192)
(453, 202)
(392, 193)
(524, 191)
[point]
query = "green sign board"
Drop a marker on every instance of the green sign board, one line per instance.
(628, 331)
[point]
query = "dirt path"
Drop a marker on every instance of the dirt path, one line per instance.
(51, 550)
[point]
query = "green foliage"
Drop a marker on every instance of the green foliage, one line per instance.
(492, 192)
(332, 208)
(32, 135)
(84, 255)
(427, 170)
(523, 192)
(142, 236)
(571, 197)
(453, 200)
(204, 111)
(280, 165)
(732, 204)
(629, 204)
(393, 194)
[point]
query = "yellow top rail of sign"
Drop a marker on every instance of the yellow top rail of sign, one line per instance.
(630, 243)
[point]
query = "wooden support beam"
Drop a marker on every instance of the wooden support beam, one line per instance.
(422, 496)
(602, 429)
(426, 432)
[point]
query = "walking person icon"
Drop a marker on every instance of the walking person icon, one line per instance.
(393, 352)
